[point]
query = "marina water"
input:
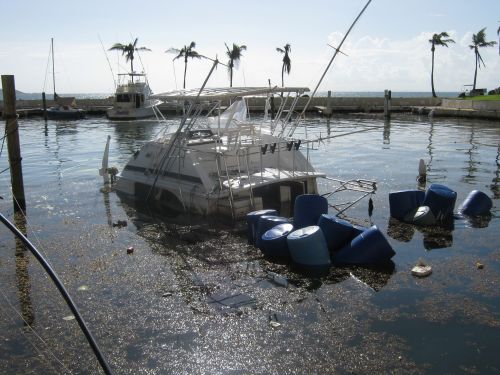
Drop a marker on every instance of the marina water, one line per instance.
(192, 297)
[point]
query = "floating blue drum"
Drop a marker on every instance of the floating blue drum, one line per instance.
(477, 203)
(370, 247)
(337, 232)
(273, 242)
(307, 210)
(265, 223)
(252, 220)
(308, 248)
(403, 202)
(441, 200)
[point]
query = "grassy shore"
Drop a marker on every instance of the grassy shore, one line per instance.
(483, 97)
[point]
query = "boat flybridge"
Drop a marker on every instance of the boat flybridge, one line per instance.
(132, 99)
(222, 163)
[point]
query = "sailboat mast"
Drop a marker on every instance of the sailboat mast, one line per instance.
(53, 71)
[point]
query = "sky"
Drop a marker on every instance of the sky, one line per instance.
(387, 49)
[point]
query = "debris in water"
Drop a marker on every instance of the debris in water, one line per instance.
(83, 287)
(421, 269)
(278, 279)
(274, 324)
(120, 223)
(479, 265)
(69, 317)
(130, 250)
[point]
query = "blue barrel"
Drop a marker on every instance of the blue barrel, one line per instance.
(370, 247)
(402, 202)
(265, 223)
(273, 242)
(307, 210)
(477, 203)
(441, 200)
(308, 248)
(252, 220)
(337, 232)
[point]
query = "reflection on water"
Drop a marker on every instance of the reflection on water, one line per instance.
(22, 274)
(193, 287)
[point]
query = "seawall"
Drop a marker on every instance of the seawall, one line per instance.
(423, 105)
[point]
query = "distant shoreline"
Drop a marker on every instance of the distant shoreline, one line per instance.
(336, 94)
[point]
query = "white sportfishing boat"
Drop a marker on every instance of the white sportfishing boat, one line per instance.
(227, 164)
(132, 99)
(223, 164)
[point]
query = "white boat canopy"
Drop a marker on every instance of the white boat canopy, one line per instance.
(225, 93)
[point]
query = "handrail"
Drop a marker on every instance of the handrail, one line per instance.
(63, 291)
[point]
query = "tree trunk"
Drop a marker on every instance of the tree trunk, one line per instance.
(432, 75)
(185, 71)
(231, 77)
(475, 72)
(283, 76)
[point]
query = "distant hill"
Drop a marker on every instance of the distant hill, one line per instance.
(25, 96)
(38, 95)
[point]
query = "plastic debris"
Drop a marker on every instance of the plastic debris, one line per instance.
(278, 279)
(479, 265)
(120, 223)
(421, 269)
(130, 250)
(69, 317)
(82, 288)
(274, 324)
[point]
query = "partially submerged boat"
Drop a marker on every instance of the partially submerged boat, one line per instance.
(132, 99)
(224, 164)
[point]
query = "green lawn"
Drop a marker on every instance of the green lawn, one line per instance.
(483, 97)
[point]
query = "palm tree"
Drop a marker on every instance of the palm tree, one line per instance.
(498, 33)
(438, 40)
(234, 58)
(287, 63)
(186, 52)
(478, 41)
(128, 51)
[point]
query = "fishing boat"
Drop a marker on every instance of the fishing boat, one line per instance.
(222, 164)
(65, 108)
(132, 99)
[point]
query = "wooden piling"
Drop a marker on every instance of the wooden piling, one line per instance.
(14, 150)
(387, 104)
(44, 101)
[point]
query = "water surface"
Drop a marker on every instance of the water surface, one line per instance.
(193, 297)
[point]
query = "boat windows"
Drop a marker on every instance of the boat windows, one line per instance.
(123, 98)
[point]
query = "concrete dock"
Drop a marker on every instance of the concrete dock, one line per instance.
(421, 105)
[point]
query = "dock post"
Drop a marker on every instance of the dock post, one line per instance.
(329, 103)
(387, 104)
(44, 101)
(14, 150)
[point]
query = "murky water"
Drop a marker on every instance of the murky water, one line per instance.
(193, 297)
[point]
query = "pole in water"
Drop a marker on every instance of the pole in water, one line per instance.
(387, 104)
(44, 102)
(11, 129)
